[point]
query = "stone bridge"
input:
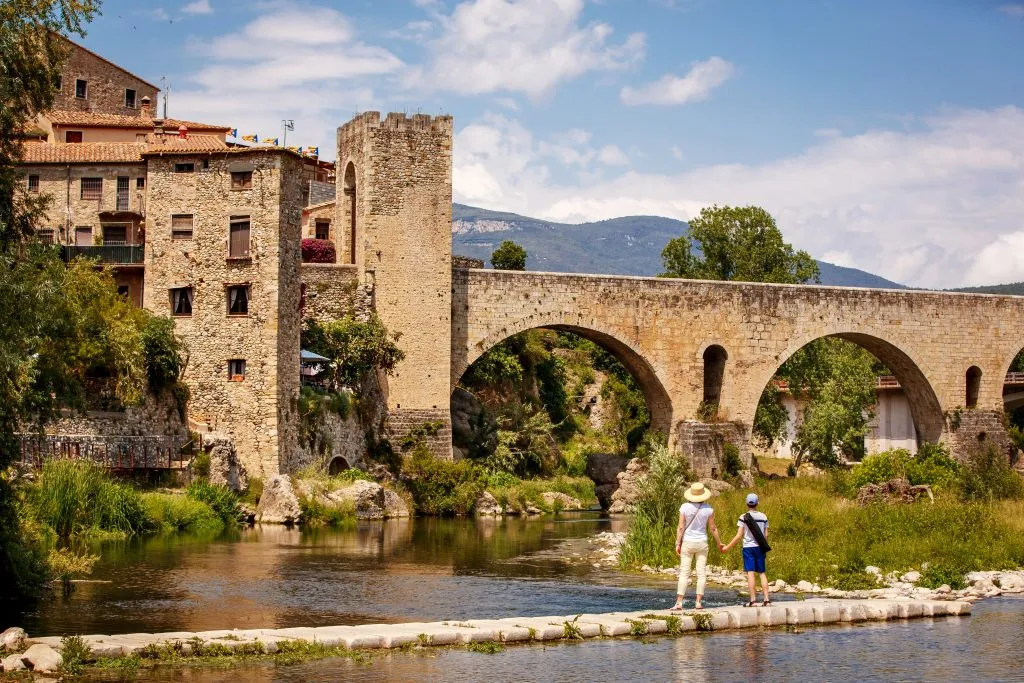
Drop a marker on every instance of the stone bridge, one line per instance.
(687, 342)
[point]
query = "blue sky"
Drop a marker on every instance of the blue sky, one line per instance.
(887, 136)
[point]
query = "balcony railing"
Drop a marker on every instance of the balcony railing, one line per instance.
(124, 254)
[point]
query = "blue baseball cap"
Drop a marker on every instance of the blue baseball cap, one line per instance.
(751, 499)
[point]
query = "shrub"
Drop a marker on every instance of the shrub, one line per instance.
(163, 350)
(315, 513)
(355, 346)
(318, 251)
(651, 536)
(731, 462)
(932, 466)
(172, 513)
(222, 500)
(952, 575)
(64, 565)
(509, 256)
(74, 654)
(201, 465)
(988, 476)
(516, 494)
(441, 487)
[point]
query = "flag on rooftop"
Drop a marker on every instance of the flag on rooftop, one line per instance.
(270, 141)
(251, 138)
(297, 150)
(312, 151)
(234, 132)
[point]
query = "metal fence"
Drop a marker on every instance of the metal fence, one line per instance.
(112, 452)
(107, 253)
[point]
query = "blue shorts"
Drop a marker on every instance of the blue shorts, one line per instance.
(753, 560)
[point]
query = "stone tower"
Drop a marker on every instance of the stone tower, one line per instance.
(394, 218)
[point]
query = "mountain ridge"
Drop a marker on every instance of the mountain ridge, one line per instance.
(628, 245)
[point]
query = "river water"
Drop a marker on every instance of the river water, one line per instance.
(434, 569)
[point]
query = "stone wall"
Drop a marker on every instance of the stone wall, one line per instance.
(659, 328)
(703, 445)
(466, 262)
(258, 413)
(106, 85)
(401, 180)
(320, 192)
(332, 291)
(311, 214)
(156, 416)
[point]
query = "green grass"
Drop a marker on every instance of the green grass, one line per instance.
(222, 500)
(76, 497)
(316, 513)
(171, 512)
(820, 537)
(518, 493)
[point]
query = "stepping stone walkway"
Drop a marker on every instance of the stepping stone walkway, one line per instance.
(525, 629)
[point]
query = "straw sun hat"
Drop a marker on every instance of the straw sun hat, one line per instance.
(697, 493)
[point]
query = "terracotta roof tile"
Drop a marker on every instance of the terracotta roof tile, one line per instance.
(86, 119)
(79, 153)
(193, 143)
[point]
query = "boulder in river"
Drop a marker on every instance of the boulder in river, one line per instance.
(13, 639)
(486, 505)
(278, 504)
(560, 501)
(604, 470)
(42, 658)
(12, 663)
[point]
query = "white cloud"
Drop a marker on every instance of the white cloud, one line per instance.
(416, 31)
(611, 155)
(160, 14)
(507, 103)
(677, 153)
(934, 206)
(198, 7)
(839, 258)
(696, 85)
(524, 46)
(827, 133)
(1015, 10)
(1002, 260)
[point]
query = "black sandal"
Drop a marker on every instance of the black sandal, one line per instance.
(766, 603)
(750, 604)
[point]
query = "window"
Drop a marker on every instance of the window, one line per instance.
(181, 226)
(238, 300)
(83, 236)
(236, 370)
(46, 235)
(115, 234)
(973, 386)
(33, 183)
(181, 301)
(92, 188)
(323, 230)
(140, 183)
(185, 168)
(72, 136)
(238, 242)
(123, 199)
(129, 98)
(81, 89)
(241, 180)
(122, 290)
(206, 164)
(58, 83)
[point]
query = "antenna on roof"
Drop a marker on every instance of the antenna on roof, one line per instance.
(286, 125)
(167, 91)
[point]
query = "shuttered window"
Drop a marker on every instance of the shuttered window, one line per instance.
(238, 241)
(241, 180)
(181, 226)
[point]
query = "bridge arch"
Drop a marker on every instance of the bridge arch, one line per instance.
(924, 404)
(633, 358)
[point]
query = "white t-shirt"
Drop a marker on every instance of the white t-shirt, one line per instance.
(698, 529)
(748, 538)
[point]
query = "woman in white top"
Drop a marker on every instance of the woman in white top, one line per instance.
(696, 517)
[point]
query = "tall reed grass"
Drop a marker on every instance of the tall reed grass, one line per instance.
(75, 497)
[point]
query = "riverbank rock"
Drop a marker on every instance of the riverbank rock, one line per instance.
(911, 577)
(367, 496)
(12, 663)
(225, 469)
(629, 486)
(13, 639)
(42, 658)
(604, 470)
(486, 505)
(560, 501)
(892, 492)
(394, 505)
(278, 504)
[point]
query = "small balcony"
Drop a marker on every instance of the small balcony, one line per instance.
(108, 254)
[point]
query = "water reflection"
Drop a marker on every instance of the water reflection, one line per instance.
(398, 570)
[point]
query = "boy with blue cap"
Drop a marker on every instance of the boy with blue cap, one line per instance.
(753, 529)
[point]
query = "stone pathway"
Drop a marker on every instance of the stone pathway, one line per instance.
(524, 629)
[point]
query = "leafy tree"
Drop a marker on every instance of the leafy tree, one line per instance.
(737, 243)
(509, 256)
(355, 347)
(31, 52)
